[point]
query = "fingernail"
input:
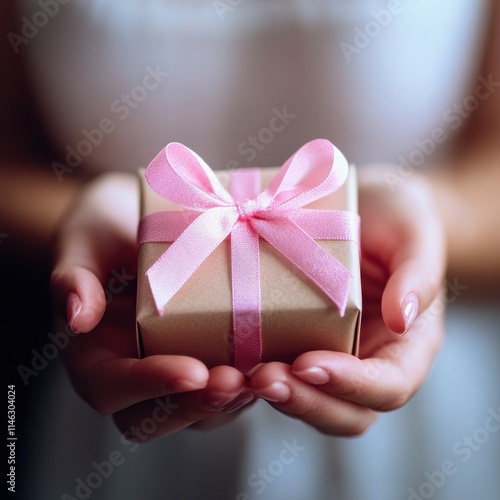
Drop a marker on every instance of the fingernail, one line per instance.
(314, 375)
(410, 310)
(213, 400)
(277, 392)
(73, 308)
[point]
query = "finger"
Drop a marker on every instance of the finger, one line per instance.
(383, 382)
(276, 383)
(98, 231)
(417, 271)
(224, 393)
(409, 291)
(112, 385)
(80, 289)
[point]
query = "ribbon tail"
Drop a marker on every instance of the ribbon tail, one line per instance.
(175, 266)
(307, 255)
(246, 296)
(328, 224)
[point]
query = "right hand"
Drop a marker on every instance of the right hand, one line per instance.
(97, 236)
(402, 268)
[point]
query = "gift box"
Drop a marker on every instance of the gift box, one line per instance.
(239, 267)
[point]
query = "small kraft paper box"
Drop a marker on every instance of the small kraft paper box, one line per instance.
(276, 305)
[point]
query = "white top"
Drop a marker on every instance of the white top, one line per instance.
(372, 76)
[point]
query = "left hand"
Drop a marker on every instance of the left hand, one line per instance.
(402, 269)
(97, 238)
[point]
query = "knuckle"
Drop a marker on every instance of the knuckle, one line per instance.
(307, 408)
(356, 390)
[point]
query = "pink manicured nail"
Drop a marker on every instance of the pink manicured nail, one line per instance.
(277, 392)
(410, 310)
(73, 308)
(314, 375)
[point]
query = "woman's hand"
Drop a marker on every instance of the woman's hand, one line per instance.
(402, 268)
(94, 289)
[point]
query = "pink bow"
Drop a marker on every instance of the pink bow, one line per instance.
(276, 214)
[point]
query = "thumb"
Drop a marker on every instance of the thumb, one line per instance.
(417, 273)
(408, 293)
(76, 283)
(98, 233)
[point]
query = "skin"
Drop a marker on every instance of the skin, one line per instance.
(400, 256)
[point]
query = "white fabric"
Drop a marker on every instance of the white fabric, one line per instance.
(227, 75)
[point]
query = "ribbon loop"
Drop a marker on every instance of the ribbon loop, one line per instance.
(308, 175)
(181, 176)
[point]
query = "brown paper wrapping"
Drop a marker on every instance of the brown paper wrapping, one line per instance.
(296, 316)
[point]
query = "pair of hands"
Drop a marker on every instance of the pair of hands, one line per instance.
(402, 267)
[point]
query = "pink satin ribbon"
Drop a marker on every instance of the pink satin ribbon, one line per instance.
(276, 214)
